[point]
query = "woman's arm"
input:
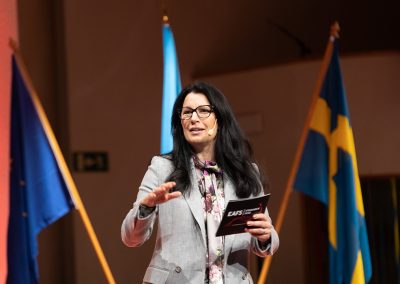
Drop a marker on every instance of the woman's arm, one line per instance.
(265, 240)
(138, 223)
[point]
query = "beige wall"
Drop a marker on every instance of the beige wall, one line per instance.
(113, 83)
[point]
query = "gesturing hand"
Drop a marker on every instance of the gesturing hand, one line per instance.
(261, 227)
(160, 194)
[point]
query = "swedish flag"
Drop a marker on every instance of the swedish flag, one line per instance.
(328, 172)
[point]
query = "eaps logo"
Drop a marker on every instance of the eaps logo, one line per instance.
(235, 213)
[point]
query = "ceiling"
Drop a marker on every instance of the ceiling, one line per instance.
(261, 33)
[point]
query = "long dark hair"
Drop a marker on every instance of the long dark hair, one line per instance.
(233, 152)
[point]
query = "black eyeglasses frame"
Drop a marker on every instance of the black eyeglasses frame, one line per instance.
(195, 110)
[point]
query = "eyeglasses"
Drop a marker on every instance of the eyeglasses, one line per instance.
(202, 111)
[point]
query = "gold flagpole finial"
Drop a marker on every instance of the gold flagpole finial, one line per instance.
(165, 19)
(335, 29)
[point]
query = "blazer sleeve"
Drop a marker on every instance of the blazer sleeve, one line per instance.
(136, 230)
(270, 248)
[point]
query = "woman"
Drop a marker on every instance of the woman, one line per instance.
(211, 163)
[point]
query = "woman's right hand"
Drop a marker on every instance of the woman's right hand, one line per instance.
(160, 195)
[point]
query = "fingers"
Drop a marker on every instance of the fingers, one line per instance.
(168, 185)
(165, 187)
(172, 195)
(260, 227)
(259, 224)
(260, 220)
(161, 194)
(259, 231)
(262, 234)
(261, 216)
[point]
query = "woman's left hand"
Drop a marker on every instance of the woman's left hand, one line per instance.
(261, 227)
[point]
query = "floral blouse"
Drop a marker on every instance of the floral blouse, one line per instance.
(211, 186)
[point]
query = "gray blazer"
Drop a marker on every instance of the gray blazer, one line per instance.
(180, 252)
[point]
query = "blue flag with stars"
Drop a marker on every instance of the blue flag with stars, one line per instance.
(38, 193)
(328, 172)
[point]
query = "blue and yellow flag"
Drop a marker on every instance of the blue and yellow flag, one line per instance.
(38, 192)
(328, 172)
(171, 87)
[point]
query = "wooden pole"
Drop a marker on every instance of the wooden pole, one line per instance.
(289, 185)
(62, 164)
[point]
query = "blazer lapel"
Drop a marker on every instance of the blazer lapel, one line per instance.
(193, 199)
(229, 191)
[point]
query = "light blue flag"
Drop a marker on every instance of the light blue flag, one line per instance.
(38, 192)
(328, 172)
(171, 88)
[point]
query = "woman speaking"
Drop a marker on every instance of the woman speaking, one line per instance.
(188, 189)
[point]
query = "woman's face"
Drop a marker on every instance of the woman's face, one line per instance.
(200, 131)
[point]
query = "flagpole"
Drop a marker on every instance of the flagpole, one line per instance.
(334, 33)
(62, 164)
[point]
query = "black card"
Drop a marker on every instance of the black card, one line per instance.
(238, 212)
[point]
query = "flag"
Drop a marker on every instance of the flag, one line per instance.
(171, 87)
(38, 192)
(328, 172)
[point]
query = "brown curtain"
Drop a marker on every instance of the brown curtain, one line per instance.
(381, 201)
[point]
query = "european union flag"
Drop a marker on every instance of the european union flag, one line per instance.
(171, 88)
(328, 172)
(38, 192)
